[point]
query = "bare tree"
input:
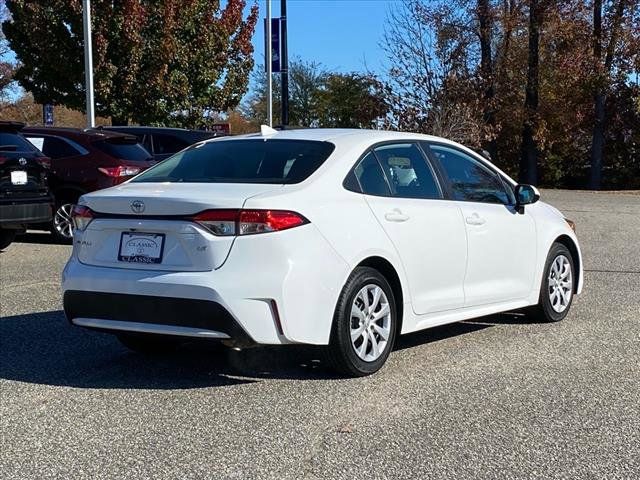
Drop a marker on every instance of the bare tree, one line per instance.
(603, 72)
(529, 149)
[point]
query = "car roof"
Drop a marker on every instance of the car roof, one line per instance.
(335, 134)
(10, 126)
(85, 134)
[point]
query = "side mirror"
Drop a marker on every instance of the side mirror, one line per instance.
(525, 195)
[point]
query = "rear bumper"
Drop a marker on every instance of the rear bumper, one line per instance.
(149, 314)
(277, 288)
(18, 213)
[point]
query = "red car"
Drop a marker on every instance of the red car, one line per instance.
(83, 161)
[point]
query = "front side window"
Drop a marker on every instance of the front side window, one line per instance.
(470, 179)
(242, 161)
(407, 170)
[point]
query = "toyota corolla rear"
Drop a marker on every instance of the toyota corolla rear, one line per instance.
(181, 251)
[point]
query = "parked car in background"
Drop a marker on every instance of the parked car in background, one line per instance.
(83, 161)
(24, 194)
(163, 142)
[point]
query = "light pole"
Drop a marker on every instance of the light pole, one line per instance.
(284, 64)
(88, 62)
(268, 61)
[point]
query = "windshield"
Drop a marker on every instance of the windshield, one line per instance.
(242, 161)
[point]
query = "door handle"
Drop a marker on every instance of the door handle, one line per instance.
(396, 215)
(475, 219)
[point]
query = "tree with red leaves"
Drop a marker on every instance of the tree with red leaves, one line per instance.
(166, 62)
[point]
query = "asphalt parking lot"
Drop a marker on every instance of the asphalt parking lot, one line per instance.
(499, 397)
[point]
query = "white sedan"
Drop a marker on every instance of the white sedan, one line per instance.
(343, 238)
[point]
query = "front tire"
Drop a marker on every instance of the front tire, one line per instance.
(7, 237)
(148, 344)
(556, 291)
(364, 324)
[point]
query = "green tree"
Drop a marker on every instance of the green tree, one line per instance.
(168, 62)
(306, 78)
(319, 98)
(351, 100)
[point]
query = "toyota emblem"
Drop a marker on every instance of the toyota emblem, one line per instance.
(137, 206)
(22, 161)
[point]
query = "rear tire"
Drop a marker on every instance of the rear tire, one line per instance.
(7, 237)
(148, 344)
(364, 324)
(556, 290)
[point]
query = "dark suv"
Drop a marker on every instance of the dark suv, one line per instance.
(83, 161)
(162, 142)
(24, 196)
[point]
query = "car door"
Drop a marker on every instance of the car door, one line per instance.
(501, 242)
(427, 231)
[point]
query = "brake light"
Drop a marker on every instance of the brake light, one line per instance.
(45, 162)
(120, 171)
(81, 217)
(248, 222)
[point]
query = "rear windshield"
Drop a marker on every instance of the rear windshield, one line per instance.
(242, 161)
(12, 142)
(124, 149)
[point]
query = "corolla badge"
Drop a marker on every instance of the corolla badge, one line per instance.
(137, 206)
(22, 161)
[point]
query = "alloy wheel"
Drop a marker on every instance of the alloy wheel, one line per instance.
(370, 322)
(560, 284)
(62, 220)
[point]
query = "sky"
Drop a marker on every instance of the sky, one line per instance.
(342, 35)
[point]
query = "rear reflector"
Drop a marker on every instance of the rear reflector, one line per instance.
(248, 222)
(81, 217)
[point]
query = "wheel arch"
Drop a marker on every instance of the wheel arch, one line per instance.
(568, 242)
(386, 268)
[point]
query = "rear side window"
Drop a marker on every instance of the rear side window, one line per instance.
(123, 149)
(54, 147)
(242, 161)
(164, 144)
(370, 177)
(407, 170)
(13, 142)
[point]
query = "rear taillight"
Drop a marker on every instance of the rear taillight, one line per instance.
(248, 222)
(81, 217)
(44, 162)
(120, 171)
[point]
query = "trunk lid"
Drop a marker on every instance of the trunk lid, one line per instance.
(157, 208)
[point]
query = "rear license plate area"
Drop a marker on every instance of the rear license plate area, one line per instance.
(146, 248)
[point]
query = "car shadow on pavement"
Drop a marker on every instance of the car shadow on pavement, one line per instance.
(41, 237)
(43, 348)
